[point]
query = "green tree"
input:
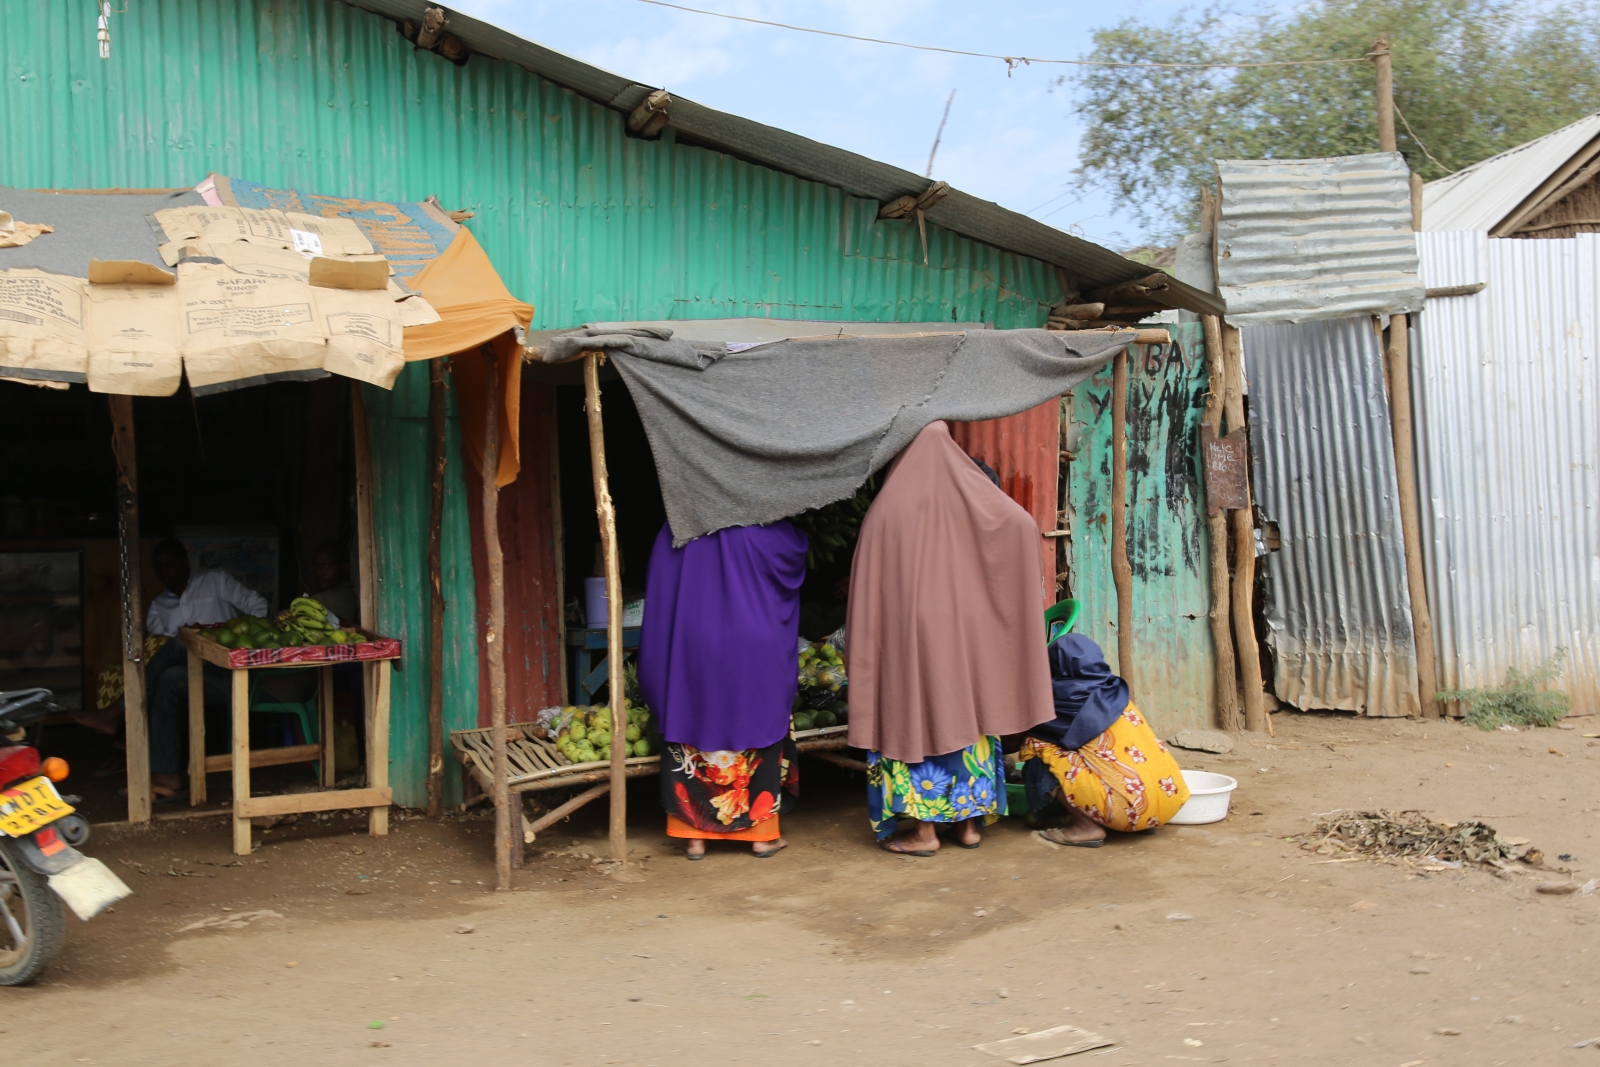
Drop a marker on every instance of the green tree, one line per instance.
(1472, 78)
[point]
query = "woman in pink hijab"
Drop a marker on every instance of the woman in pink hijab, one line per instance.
(945, 643)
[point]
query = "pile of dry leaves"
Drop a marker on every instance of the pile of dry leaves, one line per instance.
(1410, 835)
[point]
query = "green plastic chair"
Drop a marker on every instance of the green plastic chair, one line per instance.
(1060, 618)
(304, 712)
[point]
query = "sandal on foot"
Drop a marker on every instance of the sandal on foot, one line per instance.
(769, 853)
(887, 846)
(1069, 844)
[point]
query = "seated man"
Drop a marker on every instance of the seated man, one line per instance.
(330, 571)
(202, 599)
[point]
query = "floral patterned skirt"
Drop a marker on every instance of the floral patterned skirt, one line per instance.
(732, 794)
(954, 787)
(1124, 779)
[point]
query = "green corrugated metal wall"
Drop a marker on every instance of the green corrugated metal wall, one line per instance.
(402, 502)
(582, 221)
(1173, 678)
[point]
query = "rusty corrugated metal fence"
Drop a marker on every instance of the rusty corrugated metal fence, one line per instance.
(1337, 608)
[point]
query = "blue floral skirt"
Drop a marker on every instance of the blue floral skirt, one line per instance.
(954, 787)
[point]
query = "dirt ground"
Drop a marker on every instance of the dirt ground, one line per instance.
(1217, 944)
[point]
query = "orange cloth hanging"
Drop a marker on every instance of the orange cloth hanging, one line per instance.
(475, 309)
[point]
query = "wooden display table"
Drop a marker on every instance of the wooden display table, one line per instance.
(375, 658)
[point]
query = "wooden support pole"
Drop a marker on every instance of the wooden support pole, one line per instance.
(197, 731)
(1384, 62)
(1399, 361)
(1229, 715)
(497, 620)
(239, 712)
(608, 541)
(138, 724)
(550, 818)
(1244, 552)
(379, 676)
(436, 595)
(366, 543)
(1121, 571)
(330, 748)
(1405, 467)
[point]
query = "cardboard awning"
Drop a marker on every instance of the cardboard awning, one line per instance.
(244, 310)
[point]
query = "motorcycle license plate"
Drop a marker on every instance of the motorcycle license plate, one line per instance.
(28, 807)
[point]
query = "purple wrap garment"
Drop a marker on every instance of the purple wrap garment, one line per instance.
(718, 657)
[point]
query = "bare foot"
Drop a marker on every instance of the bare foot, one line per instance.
(1079, 830)
(967, 835)
(767, 848)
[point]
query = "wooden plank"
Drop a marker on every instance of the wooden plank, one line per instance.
(846, 762)
(436, 414)
(330, 770)
(608, 540)
(197, 731)
(266, 757)
(366, 533)
(1121, 571)
(555, 815)
(135, 713)
(333, 800)
(240, 707)
(494, 637)
(378, 748)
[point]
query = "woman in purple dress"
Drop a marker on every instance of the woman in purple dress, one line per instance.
(718, 663)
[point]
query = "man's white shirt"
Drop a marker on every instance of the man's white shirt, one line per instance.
(209, 597)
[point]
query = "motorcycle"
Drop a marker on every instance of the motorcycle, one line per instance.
(40, 865)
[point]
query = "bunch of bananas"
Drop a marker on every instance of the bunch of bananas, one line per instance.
(833, 527)
(305, 622)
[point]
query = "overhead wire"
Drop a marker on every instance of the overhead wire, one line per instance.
(1011, 62)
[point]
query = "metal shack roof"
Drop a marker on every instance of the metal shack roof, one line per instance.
(1090, 266)
(1305, 239)
(1485, 194)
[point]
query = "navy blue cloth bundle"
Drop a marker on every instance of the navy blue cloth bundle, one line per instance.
(1089, 698)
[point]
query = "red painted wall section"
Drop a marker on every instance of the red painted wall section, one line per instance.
(1025, 451)
(527, 539)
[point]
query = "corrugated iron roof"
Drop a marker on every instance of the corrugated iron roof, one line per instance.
(1306, 239)
(1485, 194)
(1090, 266)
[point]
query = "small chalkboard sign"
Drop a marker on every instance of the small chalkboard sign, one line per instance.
(1227, 463)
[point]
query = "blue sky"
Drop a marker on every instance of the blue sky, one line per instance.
(1012, 139)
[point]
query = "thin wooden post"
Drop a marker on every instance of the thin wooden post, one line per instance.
(436, 595)
(380, 676)
(492, 639)
(133, 665)
(1229, 715)
(239, 716)
(366, 544)
(558, 538)
(330, 748)
(1121, 571)
(1244, 551)
(197, 731)
(608, 541)
(1384, 62)
(1399, 360)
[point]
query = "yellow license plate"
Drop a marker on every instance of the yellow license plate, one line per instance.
(28, 807)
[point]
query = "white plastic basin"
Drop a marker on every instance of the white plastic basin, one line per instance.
(1209, 795)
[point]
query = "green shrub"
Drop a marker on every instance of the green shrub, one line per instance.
(1520, 702)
